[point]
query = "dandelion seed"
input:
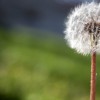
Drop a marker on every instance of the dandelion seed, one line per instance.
(83, 28)
(96, 74)
(83, 34)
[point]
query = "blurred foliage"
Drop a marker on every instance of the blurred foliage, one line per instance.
(39, 66)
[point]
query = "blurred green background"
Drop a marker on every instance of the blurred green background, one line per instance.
(35, 62)
(40, 66)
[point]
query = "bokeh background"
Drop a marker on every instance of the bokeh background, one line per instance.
(35, 62)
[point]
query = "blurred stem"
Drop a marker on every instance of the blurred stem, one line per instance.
(93, 76)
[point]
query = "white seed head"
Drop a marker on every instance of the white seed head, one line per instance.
(83, 28)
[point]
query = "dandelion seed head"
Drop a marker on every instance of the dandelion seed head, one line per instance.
(83, 28)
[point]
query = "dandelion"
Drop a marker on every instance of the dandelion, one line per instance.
(83, 34)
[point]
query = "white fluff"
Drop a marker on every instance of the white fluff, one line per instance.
(76, 36)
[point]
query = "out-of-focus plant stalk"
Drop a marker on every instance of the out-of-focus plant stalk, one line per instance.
(93, 76)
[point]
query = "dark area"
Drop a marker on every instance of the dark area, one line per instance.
(46, 15)
(4, 96)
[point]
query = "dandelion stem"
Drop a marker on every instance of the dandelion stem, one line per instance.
(93, 76)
